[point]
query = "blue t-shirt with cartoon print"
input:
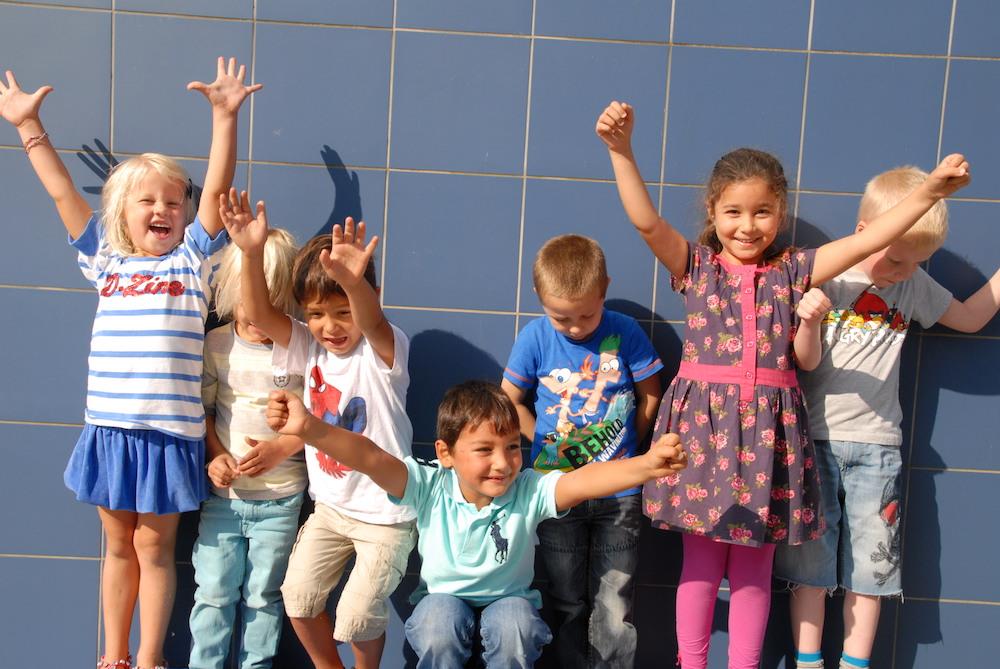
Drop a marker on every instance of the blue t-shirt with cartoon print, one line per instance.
(585, 400)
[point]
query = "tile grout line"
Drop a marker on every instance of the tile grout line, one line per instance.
(519, 269)
(384, 242)
(663, 154)
(802, 125)
(253, 98)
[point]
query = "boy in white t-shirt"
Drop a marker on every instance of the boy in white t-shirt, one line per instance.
(355, 367)
(852, 395)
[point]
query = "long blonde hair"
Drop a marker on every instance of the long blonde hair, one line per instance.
(124, 178)
(279, 254)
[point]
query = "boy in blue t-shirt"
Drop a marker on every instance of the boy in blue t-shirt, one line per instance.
(595, 377)
(476, 515)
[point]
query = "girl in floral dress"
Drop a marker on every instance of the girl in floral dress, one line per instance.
(751, 480)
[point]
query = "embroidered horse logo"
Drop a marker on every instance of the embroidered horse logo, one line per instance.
(500, 542)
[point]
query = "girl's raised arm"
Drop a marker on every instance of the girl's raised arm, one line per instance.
(20, 109)
(225, 94)
(614, 127)
(836, 256)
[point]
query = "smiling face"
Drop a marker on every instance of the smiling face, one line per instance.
(747, 217)
(577, 317)
(155, 214)
(330, 321)
(485, 463)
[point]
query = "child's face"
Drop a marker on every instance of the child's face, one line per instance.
(485, 463)
(330, 321)
(577, 317)
(247, 330)
(747, 218)
(154, 215)
(895, 263)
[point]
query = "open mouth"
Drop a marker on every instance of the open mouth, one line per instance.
(336, 342)
(159, 230)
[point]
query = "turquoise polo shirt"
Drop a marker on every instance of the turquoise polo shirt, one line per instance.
(478, 555)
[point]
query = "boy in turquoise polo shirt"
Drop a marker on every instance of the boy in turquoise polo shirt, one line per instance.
(477, 513)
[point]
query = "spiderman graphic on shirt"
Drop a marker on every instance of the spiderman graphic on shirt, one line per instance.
(324, 400)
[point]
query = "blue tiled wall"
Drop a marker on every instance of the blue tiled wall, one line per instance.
(462, 131)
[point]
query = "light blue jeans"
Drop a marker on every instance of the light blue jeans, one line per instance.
(442, 632)
(240, 557)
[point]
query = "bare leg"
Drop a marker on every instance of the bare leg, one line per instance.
(316, 636)
(119, 580)
(155, 537)
(808, 611)
(861, 614)
(368, 654)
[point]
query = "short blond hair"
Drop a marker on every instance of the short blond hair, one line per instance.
(887, 189)
(570, 266)
(279, 254)
(124, 178)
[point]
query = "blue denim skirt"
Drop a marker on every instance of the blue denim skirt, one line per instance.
(145, 471)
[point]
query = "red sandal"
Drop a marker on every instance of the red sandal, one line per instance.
(104, 663)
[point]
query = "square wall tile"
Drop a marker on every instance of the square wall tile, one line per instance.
(780, 24)
(975, 28)
(957, 423)
(572, 83)
(153, 109)
(323, 86)
(510, 17)
(936, 633)
(53, 523)
(943, 511)
(308, 201)
(94, 4)
(966, 262)
(867, 114)
(59, 395)
(447, 348)
(230, 9)
(971, 126)
(888, 26)
(79, 108)
(823, 218)
(374, 13)
(722, 99)
(647, 20)
(459, 102)
(592, 209)
(466, 228)
(63, 593)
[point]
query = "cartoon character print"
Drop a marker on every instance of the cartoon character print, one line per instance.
(608, 372)
(868, 320)
(565, 384)
(324, 400)
(888, 514)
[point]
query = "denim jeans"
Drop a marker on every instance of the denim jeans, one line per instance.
(442, 632)
(241, 554)
(590, 556)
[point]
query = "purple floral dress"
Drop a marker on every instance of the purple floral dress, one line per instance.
(751, 476)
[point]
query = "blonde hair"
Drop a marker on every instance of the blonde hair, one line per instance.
(737, 166)
(124, 178)
(570, 266)
(887, 189)
(279, 254)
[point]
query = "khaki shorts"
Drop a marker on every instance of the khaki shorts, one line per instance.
(325, 544)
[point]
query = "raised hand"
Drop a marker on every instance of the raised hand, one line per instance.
(246, 227)
(813, 306)
(286, 414)
(348, 257)
(18, 106)
(951, 175)
(666, 456)
(222, 470)
(262, 457)
(614, 126)
(228, 91)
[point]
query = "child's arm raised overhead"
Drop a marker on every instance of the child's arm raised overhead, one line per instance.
(225, 94)
(287, 415)
(249, 232)
(808, 346)
(975, 312)
(20, 109)
(601, 479)
(345, 262)
(614, 127)
(836, 256)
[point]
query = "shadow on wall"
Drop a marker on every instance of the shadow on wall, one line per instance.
(347, 191)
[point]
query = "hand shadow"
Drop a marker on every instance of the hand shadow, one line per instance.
(347, 191)
(100, 164)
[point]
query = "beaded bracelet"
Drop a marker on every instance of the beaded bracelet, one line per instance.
(35, 141)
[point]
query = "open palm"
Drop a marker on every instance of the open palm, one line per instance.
(246, 227)
(228, 91)
(17, 106)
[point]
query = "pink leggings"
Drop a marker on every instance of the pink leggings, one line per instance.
(749, 572)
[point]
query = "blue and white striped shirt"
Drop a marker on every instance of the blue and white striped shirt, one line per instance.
(146, 346)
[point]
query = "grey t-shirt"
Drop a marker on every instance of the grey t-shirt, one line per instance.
(853, 395)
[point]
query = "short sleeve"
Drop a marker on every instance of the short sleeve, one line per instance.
(522, 366)
(930, 299)
(400, 355)
(419, 483)
(800, 267)
(640, 356)
(88, 245)
(196, 238)
(209, 382)
(539, 491)
(293, 359)
(697, 256)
